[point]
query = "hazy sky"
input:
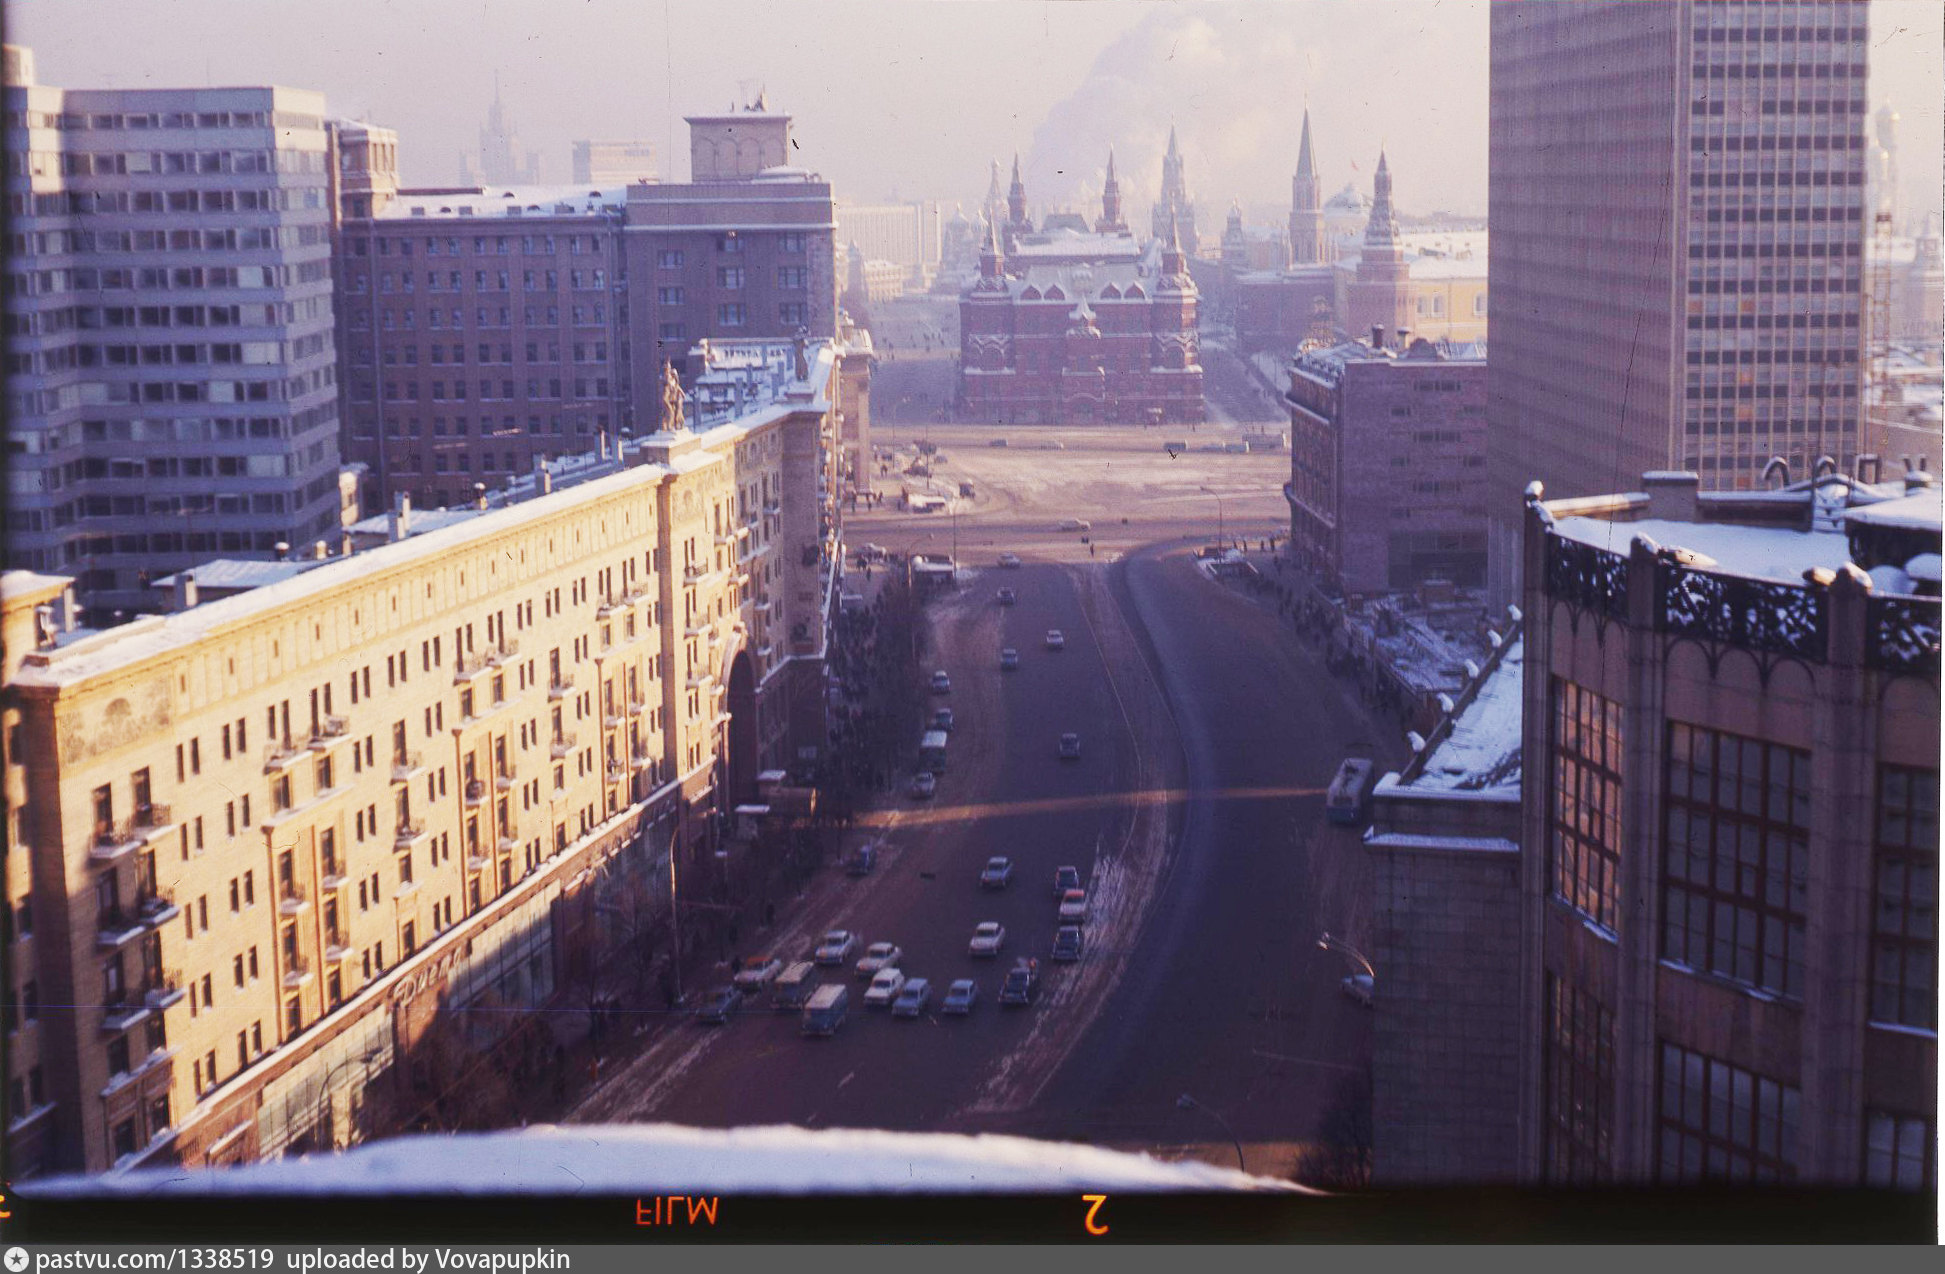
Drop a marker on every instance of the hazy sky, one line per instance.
(911, 97)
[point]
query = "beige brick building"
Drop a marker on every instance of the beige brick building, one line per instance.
(269, 840)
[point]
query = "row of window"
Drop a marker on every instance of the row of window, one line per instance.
(1735, 855)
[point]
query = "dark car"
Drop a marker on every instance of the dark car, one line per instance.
(718, 1005)
(1066, 878)
(1068, 942)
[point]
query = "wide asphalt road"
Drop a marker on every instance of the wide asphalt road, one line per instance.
(1005, 792)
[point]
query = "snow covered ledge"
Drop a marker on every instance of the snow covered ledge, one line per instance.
(630, 1158)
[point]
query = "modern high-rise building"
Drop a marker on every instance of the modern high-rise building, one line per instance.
(1678, 210)
(613, 163)
(171, 381)
(905, 234)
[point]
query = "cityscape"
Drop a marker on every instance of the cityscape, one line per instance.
(1014, 630)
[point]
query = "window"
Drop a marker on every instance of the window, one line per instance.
(1899, 1151)
(732, 315)
(1585, 840)
(669, 259)
(669, 296)
(1736, 857)
(1720, 1122)
(1579, 1077)
(729, 276)
(1904, 926)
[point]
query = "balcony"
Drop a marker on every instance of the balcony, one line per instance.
(114, 927)
(468, 664)
(283, 753)
(297, 973)
(690, 574)
(617, 773)
(611, 716)
(637, 706)
(407, 766)
(122, 1010)
(561, 684)
(163, 988)
(330, 730)
(141, 827)
(634, 593)
(506, 652)
(410, 833)
(477, 862)
(336, 949)
(509, 843)
(610, 606)
(475, 791)
(292, 899)
(641, 756)
(156, 907)
(509, 774)
(562, 745)
(334, 877)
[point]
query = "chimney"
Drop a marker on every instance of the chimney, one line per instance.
(1916, 480)
(1404, 337)
(601, 443)
(1377, 336)
(320, 551)
(479, 495)
(283, 550)
(401, 519)
(186, 596)
(344, 545)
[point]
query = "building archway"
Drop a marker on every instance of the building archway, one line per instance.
(744, 738)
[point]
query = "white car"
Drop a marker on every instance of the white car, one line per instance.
(941, 684)
(923, 785)
(1073, 906)
(878, 957)
(1010, 561)
(836, 947)
(912, 998)
(1056, 640)
(884, 988)
(987, 939)
(1359, 986)
(756, 973)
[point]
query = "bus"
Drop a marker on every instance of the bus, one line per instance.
(1350, 792)
(931, 751)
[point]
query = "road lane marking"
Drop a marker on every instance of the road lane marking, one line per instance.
(847, 1079)
(1062, 804)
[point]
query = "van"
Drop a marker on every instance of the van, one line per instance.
(825, 1011)
(794, 986)
(931, 750)
(1074, 524)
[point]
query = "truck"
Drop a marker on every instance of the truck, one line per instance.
(1349, 795)
(825, 1012)
(794, 986)
(931, 750)
(1022, 981)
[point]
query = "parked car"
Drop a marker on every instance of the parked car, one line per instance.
(997, 442)
(912, 998)
(941, 684)
(1007, 597)
(1070, 747)
(718, 1005)
(1009, 659)
(836, 947)
(879, 956)
(997, 873)
(987, 939)
(1066, 878)
(1073, 524)
(1073, 906)
(1360, 987)
(923, 785)
(1056, 640)
(884, 988)
(756, 973)
(1068, 943)
(960, 997)
(1011, 561)
(860, 861)
(942, 720)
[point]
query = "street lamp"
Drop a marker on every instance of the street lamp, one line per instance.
(1343, 948)
(1186, 1102)
(324, 1102)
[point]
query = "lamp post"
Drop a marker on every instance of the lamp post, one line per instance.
(1343, 948)
(1186, 1102)
(324, 1103)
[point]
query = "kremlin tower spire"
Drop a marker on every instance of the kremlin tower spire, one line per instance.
(1016, 204)
(1173, 207)
(1111, 222)
(1309, 245)
(1381, 231)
